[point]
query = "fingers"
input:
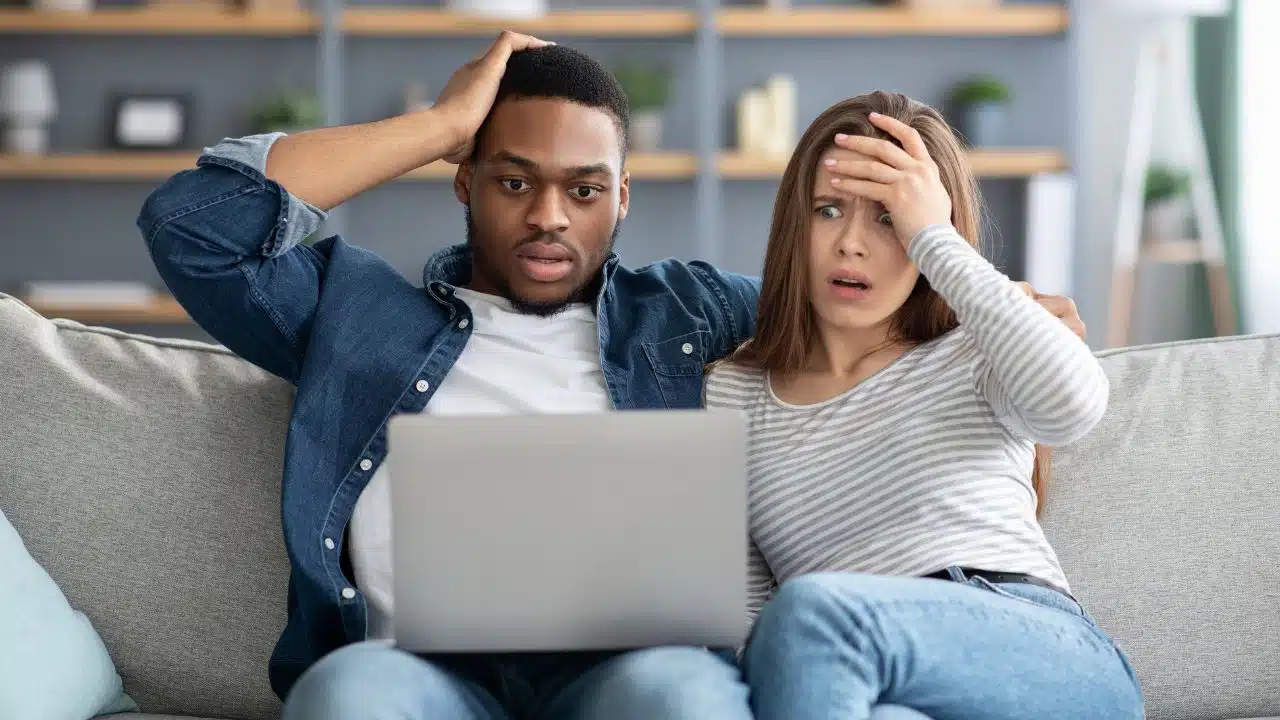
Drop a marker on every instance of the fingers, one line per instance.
(863, 170)
(876, 148)
(1026, 288)
(508, 42)
(1063, 308)
(911, 141)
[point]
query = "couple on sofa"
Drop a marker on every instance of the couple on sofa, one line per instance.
(896, 387)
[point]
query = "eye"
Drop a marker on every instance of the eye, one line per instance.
(885, 219)
(829, 211)
(585, 192)
(509, 182)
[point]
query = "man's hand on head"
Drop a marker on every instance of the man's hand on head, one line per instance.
(468, 96)
(1060, 306)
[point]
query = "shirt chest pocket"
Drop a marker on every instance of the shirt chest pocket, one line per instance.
(678, 364)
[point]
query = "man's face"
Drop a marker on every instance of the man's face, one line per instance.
(545, 196)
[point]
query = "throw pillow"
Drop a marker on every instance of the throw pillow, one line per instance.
(53, 665)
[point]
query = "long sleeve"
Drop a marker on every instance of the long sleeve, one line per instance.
(1041, 380)
(761, 584)
(226, 241)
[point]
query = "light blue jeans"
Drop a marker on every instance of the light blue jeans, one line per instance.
(854, 646)
(371, 680)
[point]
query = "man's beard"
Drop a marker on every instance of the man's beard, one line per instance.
(482, 265)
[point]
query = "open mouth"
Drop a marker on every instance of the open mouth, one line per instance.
(545, 262)
(851, 283)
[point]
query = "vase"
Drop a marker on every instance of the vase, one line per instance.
(1165, 220)
(646, 130)
(982, 124)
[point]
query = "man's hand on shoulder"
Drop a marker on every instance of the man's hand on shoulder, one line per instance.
(468, 96)
(1060, 306)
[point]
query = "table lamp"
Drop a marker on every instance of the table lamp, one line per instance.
(28, 104)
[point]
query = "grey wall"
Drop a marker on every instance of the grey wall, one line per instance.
(81, 231)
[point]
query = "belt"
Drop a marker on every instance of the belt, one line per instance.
(992, 576)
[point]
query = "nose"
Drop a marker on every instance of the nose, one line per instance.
(547, 213)
(852, 241)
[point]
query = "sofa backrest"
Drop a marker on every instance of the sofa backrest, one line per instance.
(1167, 520)
(144, 475)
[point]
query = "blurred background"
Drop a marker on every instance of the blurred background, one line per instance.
(1124, 145)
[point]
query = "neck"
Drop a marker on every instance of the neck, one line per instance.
(842, 351)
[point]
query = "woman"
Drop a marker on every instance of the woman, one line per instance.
(895, 390)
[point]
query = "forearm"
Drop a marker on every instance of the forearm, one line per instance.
(1038, 376)
(328, 166)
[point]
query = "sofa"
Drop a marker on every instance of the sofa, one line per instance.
(143, 475)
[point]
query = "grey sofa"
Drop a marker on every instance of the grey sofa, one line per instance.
(143, 474)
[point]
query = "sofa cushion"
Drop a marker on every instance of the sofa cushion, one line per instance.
(144, 475)
(1167, 520)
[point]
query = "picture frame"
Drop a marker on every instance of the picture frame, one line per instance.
(149, 120)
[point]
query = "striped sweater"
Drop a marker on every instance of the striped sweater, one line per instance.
(928, 462)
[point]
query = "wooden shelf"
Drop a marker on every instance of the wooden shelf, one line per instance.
(95, 166)
(392, 21)
(629, 22)
(985, 163)
(872, 21)
(159, 166)
(656, 166)
(160, 311)
(151, 21)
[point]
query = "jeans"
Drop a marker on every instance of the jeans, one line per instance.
(855, 646)
(372, 680)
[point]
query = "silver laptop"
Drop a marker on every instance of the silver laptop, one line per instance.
(568, 532)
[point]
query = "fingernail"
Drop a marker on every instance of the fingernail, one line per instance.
(841, 136)
(874, 115)
(835, 181)
(829, 161)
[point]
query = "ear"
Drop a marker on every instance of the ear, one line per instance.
(624, 194)
(462, 182)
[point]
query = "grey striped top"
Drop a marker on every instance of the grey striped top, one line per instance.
(927, 463)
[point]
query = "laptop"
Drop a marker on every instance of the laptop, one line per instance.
(571, 532)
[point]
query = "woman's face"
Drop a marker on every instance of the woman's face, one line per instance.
(859, 272)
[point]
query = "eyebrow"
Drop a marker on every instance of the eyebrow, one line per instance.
(524, 162)
(829, 199)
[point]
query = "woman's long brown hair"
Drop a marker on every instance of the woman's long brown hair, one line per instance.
(786, 329)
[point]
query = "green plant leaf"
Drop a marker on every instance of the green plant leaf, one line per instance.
(981, 89)
(1165, 182)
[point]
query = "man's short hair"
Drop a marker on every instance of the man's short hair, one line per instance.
(559, 72)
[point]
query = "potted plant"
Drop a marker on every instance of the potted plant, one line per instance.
(288, 112)
(1165, 202)
(647, 87)
(980, 103)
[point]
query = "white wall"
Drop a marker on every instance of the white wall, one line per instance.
(1260, 159)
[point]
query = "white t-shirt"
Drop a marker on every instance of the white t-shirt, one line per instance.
(513, 363)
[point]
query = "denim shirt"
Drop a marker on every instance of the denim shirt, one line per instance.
(360, 343)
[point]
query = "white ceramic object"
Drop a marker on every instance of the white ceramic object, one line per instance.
(1197, 8)
(646, 130)
(780, 91)
(80, 6)
(28, 103)
(506, 9)
(1165, 221)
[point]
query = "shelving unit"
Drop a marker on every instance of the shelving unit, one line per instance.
(705, 163)
(163, 310)
(658, 22)
(656, 166)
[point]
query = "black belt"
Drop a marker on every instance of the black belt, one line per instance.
(992, 576)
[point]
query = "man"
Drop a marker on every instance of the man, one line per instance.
(533, 314)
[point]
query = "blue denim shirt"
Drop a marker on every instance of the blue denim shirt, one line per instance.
(360, 343)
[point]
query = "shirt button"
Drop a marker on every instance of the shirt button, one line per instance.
(328, 543)
(686, 348)
(365, 464)
(348, 593)
(463, 323)
(422, 385)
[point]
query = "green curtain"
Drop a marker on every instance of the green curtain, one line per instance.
(1216, 53)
